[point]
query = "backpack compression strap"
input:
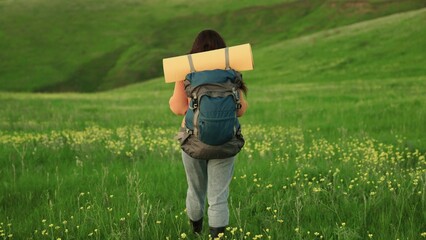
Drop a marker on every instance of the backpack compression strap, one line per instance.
(191, 64)
(227, 59)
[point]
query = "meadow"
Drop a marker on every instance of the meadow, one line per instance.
(335, 147)
(128, 183)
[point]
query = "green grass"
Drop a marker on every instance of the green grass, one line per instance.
(129, 183)
(335, 148)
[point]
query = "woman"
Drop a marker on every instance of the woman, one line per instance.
(211, 177)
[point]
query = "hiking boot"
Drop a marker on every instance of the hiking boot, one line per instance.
(197, 226)
(214, 232)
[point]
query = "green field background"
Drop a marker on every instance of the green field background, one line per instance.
(335, 129)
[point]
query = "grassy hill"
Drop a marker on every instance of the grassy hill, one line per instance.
(88, 46)
(343, 79)
(365, 78)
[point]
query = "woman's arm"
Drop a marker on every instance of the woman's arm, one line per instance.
(178, 101)
(244, 105)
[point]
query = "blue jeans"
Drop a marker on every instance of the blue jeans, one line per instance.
(211, 177)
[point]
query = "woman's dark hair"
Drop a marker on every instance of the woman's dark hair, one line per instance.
(208, 40)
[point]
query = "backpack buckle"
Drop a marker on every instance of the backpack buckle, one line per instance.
(236, 94)
(193, 106)
(194, 102)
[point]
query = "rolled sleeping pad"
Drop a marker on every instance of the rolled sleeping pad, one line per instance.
(240, 58)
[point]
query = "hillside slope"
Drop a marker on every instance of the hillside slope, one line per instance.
(365, 78)
(88, 46)
(350, 81)
(388, 47)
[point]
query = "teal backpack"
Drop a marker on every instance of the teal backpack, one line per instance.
(212, 129)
